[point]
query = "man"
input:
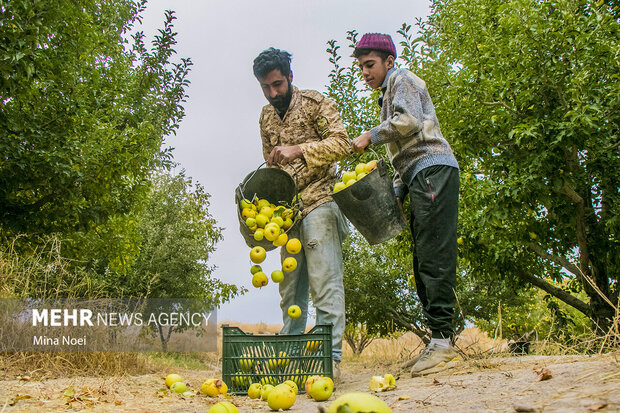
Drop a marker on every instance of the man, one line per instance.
(424, 166)
(303, 134)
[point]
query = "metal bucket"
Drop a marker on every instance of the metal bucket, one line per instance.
(272, 184)
(370, 204)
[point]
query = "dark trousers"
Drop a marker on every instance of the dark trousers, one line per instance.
(434, 194)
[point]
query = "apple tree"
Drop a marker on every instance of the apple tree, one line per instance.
(528, 93)
(85, 106)
(178, 235)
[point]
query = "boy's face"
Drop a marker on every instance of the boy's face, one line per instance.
(374, 69)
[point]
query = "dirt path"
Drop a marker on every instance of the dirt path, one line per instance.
(578, 384)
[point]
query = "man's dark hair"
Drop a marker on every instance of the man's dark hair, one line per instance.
(363, 52)
(272, 59)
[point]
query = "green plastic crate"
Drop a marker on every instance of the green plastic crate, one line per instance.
(258, 358)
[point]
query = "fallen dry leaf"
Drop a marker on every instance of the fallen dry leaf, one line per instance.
(437, 382)
(543, 373)
(404, 397)
(17, 398)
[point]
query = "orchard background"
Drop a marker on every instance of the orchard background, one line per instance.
(93, 202)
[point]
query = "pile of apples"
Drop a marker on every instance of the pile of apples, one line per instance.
(282, 396)
(270, 222)
(351, 177)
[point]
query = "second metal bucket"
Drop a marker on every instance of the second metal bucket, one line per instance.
(370, 204)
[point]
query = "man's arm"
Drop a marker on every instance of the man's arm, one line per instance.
(334, 144)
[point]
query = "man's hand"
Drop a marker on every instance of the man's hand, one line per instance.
(283, 155)
(360, 143)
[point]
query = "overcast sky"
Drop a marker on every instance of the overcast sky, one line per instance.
(218, 142)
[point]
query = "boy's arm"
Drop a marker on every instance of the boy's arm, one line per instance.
(334, 144)
(407, 118)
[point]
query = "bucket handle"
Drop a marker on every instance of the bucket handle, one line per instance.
(240, 189)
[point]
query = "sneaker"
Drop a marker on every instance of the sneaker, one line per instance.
(431, 357)
(407, 364)
(336, 370)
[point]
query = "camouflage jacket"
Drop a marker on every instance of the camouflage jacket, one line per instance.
(312, 121)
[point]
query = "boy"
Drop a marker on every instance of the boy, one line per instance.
(425, 167)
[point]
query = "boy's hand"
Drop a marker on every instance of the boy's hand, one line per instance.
(283, 155)
(360, 143)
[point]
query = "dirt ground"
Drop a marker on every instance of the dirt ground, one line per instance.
(509, 384)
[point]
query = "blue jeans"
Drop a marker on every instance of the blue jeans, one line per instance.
(319, 272)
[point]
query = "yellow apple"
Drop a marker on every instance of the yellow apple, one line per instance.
(265, 390)
(281, 240)
(289, 264)
(272, 231)
(213, 387)
(281, 397)
(178, 387)
(255, 268)
(246, 363)
(360, 176)
(339, 186)
(259, 235)
(259, 279)
(359, 402)
(172, 378)
(248, 213)
(370, 166)
(287, 223)
(247, 204)
(223, 407)
(347, 176)
(293, 246)
(250, 222)
(350, 182)
(278, 221)
(308, 385)
(312, 346)
(258, 254)
(293, 385)
(283, 361)
(294, 311)
(261, 220)
(254, 390)
(267, 211)
(360, 168)
(322, 389)
(261, 203)
(277, 276)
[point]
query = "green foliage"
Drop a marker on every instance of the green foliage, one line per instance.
(377, 288)
(178, 236)
(83, 113)
(527, 94)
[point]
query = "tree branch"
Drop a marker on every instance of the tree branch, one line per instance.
(504, 105)
(555, 291)
(562, 261)
(582, 238)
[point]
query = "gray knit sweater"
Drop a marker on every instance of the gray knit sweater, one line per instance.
(409, 129)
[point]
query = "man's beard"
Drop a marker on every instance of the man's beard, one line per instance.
(281, 103)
